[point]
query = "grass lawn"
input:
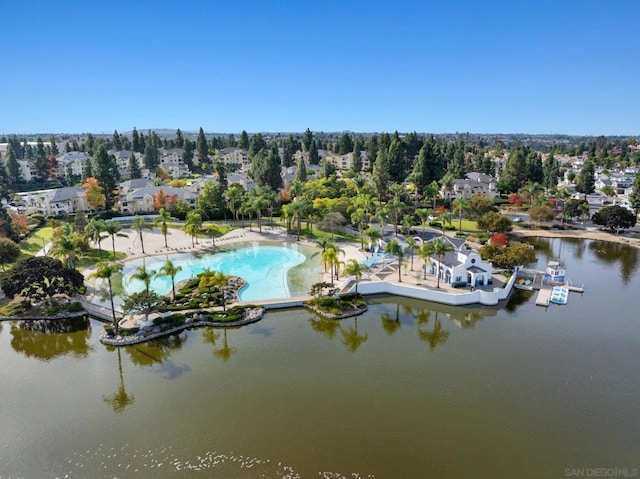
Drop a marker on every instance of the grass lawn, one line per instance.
(467, 225)
(35, 242)
(91, 257)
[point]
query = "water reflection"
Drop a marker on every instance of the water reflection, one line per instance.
(157, 351)
(351, 339)
(392, 323)
(434, 337)
(47, 339)
(223, 352)
(120, 400)
(326, 326)
(610, 253)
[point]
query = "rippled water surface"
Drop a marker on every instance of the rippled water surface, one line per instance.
(409, 389)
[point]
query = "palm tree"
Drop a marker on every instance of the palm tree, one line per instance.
(440, 248)
(94, 230)
(423, 214)
(113, 229)
(394, 248)
(171, 270)
(407, 223)
(353, 268)
(448, 182)
(212, 229)
(563, 194)
(461, 206)
(382, 215)
(533, 189)
(163, 217)
(412, 244)
(331, 257)
(431, 191)
(425, 252)
(140, 223)
(105, 270)
(373, 234)
(359, 217)
(68, 247)
(233, 198)
(145, 275)
(193, 225)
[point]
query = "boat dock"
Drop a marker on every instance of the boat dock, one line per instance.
(544, 282)
(543, 297)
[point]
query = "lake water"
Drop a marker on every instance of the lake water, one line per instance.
(407, 390)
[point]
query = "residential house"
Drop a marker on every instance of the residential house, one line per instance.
(72, 163)
(473, 184)
(233, 156)
(171, 161)
(345, 162)
(141, 200)
(54, 202)
(462, 266)
(289, 174)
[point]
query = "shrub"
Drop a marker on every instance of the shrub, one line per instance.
(75, 307)
(129, 331)
(52, 310)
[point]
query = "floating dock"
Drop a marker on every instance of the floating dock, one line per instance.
(543, 297)
(544, 282)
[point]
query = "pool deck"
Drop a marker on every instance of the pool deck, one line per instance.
(382, 278)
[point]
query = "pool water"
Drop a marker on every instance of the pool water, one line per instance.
(263, 267)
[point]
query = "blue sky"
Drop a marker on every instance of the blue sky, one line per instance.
(568, 67)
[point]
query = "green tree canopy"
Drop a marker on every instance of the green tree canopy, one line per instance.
(614, 218)
(40, 277)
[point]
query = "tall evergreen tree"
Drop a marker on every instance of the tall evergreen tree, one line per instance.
(135, 141)
(150, 159)
(87, 169)
(371, 147)
(345, 144)
(396, 160)
(54, 146)
(256, 144)
(41, 162)
(134, 167)
(14, 174)
(202, 147)
(117, 142)
(265, 169)
(634, 197)
(586, 179)
(179, 141)
(428, 165)
(314, 157)
(288, 149)
(301, 172)
(307, 138)
(221, 171)
(187, 154)
(356, 163)
(381, 173)
(551, 172)
(243, 142)
(106, 172)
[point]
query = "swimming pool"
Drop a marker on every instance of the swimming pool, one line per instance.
(263, 267)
